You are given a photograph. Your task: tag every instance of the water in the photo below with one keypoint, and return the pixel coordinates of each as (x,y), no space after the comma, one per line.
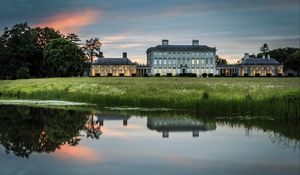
(56,141)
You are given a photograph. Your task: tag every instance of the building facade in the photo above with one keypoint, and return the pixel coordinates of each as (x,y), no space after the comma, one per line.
(113,67)
(181,59)
(265,66)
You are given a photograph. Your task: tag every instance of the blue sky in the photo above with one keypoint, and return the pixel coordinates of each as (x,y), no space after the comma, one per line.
(232,26)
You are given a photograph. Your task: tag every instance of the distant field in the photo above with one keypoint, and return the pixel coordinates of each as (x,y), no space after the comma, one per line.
(203,95)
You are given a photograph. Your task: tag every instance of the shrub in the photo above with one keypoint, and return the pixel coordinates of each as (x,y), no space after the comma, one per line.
(109,74)
(223,75)
(157,74)
(269,75)
(204,75)
(234,75)
(133,74)
(290,74)
(246,75)
(97,75)
(146,75)
(205,96)
(169,75)
(257,75)
(210,75)
(279,75)
(121,74)
(23,72)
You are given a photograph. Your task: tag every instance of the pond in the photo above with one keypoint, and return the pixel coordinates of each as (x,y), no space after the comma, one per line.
(40,140)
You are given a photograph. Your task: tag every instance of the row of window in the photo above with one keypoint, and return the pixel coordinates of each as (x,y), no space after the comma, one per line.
(193,61)
(178,71)
(187,53)
(114,68)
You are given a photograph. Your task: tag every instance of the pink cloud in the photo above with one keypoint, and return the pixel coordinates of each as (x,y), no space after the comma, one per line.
(68,22)
(77,153)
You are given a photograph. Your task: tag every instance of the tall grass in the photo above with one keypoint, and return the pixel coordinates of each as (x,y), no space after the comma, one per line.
(278,97)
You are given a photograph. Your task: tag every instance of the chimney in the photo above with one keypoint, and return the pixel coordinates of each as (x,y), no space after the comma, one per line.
(195,42)
(100,55)
(124,54)
(165,42)
(269,57)
(246,56)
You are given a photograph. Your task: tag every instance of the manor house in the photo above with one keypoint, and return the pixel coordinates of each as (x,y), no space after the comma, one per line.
(181,59)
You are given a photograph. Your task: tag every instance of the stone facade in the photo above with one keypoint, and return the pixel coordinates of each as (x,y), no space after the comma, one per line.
(113,67)
(181,59)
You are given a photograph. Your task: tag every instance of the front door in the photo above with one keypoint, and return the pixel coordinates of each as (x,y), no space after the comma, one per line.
(183,71)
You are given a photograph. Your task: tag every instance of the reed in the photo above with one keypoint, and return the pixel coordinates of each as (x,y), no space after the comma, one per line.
(278,97)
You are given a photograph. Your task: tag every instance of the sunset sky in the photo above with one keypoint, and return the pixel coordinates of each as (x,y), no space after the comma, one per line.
(232,26)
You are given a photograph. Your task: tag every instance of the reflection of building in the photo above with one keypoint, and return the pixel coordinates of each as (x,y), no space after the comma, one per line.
(265,66)
(101,117)
(177,124)
(113,67)
(173,60)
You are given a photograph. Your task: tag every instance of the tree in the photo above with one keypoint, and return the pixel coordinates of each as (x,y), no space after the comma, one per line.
(22,47)
(220,61)
(73,38)
(63,58)
(45,35)
(265,48)
(92,48)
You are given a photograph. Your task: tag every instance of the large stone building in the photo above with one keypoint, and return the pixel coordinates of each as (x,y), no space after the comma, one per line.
(265,66)
(113,67)
(181,59)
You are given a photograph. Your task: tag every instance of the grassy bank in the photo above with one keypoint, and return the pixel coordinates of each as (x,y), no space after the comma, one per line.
(212,96)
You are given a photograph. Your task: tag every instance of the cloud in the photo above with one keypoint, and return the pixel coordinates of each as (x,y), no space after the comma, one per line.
(114,38)
(77,153)
(70,22)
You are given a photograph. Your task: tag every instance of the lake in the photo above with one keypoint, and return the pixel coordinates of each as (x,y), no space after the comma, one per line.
(39,140)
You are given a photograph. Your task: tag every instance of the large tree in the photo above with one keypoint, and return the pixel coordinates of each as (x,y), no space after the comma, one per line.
(63,58)
(92,49)
(21,48)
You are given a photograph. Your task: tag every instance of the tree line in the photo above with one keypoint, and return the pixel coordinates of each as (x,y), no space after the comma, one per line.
(29,52)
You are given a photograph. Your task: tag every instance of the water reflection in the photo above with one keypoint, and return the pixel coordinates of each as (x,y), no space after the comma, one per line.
(165,125)
(27,130)
(24,130)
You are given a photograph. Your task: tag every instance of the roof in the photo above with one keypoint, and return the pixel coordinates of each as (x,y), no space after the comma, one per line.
(113,61)
(188,48)
(260,61)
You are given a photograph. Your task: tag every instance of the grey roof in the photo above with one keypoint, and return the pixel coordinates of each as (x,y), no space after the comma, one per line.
(113,61)
(260,61)
(187,48)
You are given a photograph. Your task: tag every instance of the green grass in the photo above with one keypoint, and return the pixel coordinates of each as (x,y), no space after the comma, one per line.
(206,96)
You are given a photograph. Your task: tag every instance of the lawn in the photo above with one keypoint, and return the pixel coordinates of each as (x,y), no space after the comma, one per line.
(240,96)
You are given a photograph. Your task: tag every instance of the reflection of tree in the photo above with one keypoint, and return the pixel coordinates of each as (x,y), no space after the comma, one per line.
(284,132)
(93,128)
(24,130)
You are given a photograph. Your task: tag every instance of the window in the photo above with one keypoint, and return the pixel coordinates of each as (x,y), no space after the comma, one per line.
(159,61)
(197,61)
(154,62)
(206,61)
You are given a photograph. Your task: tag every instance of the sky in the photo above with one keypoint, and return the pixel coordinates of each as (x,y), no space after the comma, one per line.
(234,27)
